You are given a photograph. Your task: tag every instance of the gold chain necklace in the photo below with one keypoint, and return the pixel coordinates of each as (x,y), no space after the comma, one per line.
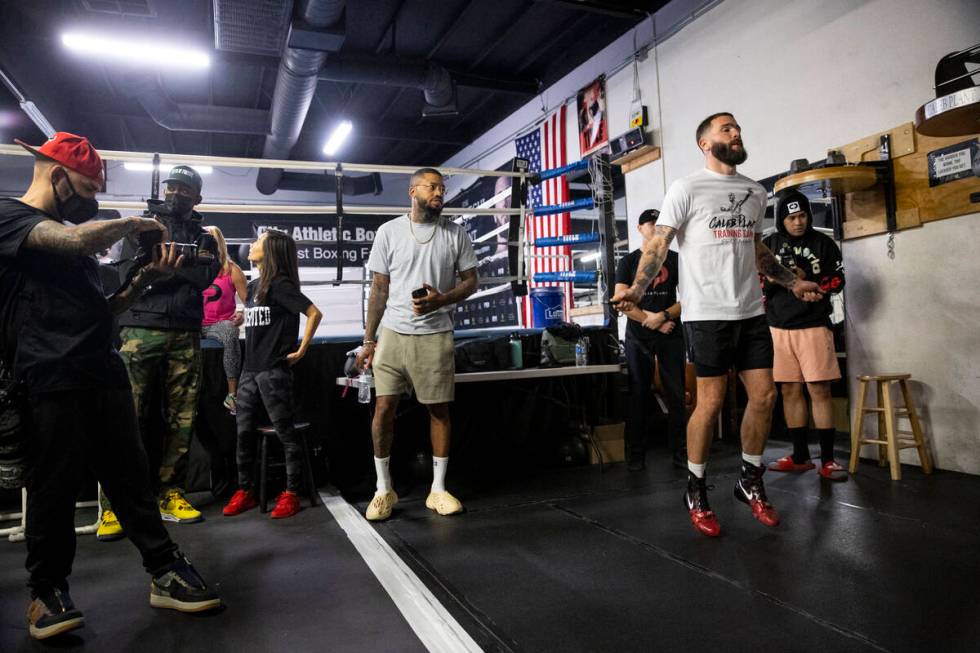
(411,228)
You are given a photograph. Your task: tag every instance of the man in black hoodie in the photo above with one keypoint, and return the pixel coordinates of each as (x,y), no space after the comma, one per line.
(802,341)
(162,331)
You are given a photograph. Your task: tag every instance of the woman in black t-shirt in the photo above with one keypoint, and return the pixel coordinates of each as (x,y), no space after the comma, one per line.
(272,309)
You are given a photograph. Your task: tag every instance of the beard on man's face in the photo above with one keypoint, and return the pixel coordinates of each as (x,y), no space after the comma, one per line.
(427,209)
(729,155)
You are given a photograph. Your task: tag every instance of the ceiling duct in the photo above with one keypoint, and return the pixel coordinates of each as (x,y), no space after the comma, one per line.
(251,26)
(295,86)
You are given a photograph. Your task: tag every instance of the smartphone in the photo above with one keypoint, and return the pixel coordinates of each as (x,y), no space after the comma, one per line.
(419,293)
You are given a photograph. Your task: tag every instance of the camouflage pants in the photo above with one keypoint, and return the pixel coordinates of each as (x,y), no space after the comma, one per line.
(274,389)
(171,362)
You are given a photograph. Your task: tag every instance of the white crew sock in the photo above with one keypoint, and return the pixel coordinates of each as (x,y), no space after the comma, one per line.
(696,468)
(439,466)
(384,474)
(752,459)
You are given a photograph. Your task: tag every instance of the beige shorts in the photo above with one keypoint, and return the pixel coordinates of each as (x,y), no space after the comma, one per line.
(423,362)
(804,355)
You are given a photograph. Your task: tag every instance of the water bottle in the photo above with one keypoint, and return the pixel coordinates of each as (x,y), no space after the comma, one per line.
(516,352)
(582,352)
(364,382)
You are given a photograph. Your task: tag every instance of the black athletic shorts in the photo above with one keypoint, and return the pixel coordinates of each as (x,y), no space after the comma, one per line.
(714,346)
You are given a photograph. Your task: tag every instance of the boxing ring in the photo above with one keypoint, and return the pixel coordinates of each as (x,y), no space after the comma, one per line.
(525,255)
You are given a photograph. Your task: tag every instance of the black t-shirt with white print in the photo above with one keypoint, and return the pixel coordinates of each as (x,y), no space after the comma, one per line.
(272,327)
(660,295)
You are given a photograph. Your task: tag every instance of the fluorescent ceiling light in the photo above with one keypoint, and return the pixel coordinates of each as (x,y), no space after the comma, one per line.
(338,137)
(135,52)
(590,258)
(137,166)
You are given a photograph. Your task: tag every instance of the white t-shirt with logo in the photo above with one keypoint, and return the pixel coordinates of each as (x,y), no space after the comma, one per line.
(412,261)
(717,218)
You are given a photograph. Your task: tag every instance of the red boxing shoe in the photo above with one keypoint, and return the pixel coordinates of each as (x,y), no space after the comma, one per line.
(750,490)
(696,500)
(241,501)
(287,505)
(832,471)
(786,464)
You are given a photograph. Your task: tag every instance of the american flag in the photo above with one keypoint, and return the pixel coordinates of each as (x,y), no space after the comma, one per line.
(544,148)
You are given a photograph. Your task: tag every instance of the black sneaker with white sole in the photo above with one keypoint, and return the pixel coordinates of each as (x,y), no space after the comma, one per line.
(182,588)
(53,613)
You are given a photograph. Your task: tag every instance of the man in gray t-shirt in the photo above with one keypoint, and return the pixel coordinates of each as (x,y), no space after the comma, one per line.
(415,261)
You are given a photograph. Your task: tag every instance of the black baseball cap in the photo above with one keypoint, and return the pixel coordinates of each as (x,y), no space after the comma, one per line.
(185,175)
(650,215)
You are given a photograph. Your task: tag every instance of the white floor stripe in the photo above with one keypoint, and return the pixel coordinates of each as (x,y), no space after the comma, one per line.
(438,630)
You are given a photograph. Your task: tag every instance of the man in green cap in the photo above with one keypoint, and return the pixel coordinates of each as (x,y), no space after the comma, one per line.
(161,347)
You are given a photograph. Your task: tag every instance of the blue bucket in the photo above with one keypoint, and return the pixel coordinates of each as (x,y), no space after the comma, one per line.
(549,306)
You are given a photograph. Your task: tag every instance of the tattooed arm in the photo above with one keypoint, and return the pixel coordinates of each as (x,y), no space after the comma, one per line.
(85,239)
(769,266)
(377,302)
(654,255)
(435,300)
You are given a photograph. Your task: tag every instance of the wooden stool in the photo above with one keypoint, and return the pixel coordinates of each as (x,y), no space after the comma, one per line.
(888,441)
(266,432)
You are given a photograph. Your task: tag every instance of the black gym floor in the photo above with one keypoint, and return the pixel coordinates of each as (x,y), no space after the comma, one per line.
(571,559)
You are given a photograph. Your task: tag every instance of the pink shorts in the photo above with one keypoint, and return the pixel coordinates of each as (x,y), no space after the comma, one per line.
(804,355)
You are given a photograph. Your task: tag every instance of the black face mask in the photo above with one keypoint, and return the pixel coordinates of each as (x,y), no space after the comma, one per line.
(180,205)
(76,209)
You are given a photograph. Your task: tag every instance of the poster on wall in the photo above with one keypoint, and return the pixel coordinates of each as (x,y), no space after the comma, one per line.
(593,125)
(493,305)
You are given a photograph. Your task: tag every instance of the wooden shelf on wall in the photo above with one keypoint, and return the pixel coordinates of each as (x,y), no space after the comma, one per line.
(638,158)
(916,202)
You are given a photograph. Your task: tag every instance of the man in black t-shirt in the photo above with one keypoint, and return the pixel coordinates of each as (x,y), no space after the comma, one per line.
(56,329)
(652,332)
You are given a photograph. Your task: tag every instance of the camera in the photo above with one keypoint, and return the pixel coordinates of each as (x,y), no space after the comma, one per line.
(202,252)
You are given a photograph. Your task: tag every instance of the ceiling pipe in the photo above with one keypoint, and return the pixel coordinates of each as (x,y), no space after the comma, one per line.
(295,86)
(435,82)
(177,116)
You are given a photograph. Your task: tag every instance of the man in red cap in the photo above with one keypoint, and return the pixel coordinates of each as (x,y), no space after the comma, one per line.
(56,329)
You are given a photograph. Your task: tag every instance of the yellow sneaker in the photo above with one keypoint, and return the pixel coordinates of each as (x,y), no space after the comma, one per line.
(109,528)
(443,503)
(174,507)
(381,505)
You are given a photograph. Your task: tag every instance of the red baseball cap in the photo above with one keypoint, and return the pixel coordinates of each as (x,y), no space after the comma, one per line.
(73,152)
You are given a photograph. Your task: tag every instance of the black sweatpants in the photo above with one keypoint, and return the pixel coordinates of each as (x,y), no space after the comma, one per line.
(669,350)
(72,430)
(274,388)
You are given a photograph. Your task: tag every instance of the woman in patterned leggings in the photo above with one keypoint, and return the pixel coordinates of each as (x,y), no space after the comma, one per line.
(221,320)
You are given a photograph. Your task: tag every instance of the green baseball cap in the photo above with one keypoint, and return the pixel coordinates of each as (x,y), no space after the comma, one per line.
(186,175)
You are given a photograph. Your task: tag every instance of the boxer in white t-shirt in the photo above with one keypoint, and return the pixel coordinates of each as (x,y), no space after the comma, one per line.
(716,215)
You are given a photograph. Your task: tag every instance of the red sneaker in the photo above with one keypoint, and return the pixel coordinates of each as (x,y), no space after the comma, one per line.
(287,505)
(241,501)
(696,500)
(833,472)
(749,489)
(786,464)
